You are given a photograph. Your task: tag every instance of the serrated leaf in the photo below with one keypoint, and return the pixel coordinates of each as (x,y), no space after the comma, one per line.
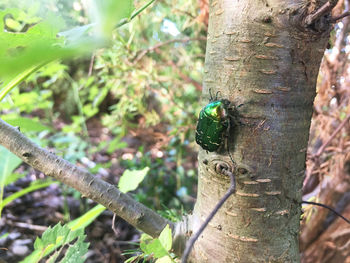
(131,179)
(38,244)
(56,237)
(76,252)
(165,238)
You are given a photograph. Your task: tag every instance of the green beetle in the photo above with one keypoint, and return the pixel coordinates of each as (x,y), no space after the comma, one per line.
(212,125)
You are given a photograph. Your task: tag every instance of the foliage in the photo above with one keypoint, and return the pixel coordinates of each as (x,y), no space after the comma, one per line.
(59,236)
(130,180)
(128,87)
(33,187)
(157,248)
(8,163)
(87,218)
(56,239)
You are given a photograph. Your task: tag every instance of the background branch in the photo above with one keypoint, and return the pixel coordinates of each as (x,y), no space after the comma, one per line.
(322,11)
(90,186)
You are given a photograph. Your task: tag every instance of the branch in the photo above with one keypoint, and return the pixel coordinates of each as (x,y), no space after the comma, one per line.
(160,44)
(335,19)
(90,186)
(230,191)
(322,11)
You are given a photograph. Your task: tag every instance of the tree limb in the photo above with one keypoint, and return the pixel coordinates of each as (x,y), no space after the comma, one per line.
(90,186)
(322,11)
(336,18)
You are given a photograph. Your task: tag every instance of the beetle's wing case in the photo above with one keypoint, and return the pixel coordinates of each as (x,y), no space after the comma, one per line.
(211,126)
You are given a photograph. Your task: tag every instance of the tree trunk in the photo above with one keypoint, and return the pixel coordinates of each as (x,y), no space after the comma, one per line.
(262,55)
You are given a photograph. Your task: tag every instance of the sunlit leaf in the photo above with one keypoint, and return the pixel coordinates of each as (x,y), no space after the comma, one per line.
(56,237)
(165,238)
(25,124)
(131,179)
(87,218)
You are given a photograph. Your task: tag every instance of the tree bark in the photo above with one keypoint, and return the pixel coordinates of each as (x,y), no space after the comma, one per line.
(260,54)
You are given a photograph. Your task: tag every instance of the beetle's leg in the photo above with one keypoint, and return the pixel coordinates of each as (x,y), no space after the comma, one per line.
(211,96)
(234,115)
(216,95)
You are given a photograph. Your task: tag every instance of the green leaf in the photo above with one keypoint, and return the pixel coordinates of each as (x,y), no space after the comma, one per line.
(116,144)
(156,248)
(25,124)
(108,13)
(56,237)
(8,163)
(13,178)
(86,219)
(152,246)
(25,191)
(165,238)
(130,180)
(76,253)
(144,240)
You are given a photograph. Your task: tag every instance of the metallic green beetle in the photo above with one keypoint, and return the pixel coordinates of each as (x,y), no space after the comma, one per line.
(212,125)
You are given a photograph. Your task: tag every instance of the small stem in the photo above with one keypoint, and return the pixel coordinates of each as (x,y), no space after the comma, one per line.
(137,12)
(160,44)
(193,239)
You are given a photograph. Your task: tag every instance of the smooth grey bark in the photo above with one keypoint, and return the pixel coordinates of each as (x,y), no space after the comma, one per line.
(261,54)
(90,186)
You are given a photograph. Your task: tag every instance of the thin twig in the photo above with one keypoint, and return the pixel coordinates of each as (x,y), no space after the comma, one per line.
(182,40)
(185,77)
(91,66)
(230,191)
(136,13)
(326,206)
(28,226)
(113,227)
